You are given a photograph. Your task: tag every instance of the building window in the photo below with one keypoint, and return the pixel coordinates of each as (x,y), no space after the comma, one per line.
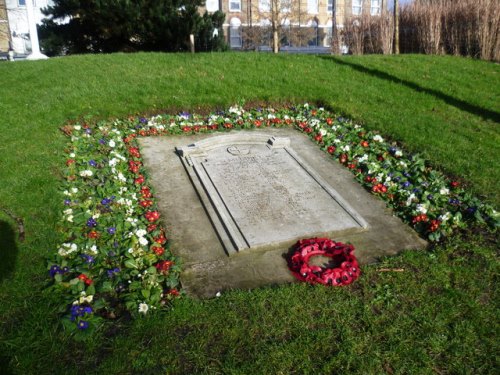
(375,8)
(235,5)
(22,3)
(312,6)
(265,6)
(329,6)
(212,5)
(235,33)
(357,7)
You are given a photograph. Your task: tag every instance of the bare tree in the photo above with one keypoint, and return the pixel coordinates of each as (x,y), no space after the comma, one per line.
(396,27)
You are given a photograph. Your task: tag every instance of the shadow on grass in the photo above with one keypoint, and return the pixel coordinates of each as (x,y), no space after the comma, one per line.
(8,250)
(486,114)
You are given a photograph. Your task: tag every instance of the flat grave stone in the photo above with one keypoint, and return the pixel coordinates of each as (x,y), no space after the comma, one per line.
(234,203)
(258,192)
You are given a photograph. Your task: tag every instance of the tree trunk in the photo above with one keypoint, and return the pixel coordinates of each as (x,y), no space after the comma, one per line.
(275,41)
(396,27)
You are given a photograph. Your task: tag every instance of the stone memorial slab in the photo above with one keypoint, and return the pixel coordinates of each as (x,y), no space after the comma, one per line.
(233,204)
(259,192)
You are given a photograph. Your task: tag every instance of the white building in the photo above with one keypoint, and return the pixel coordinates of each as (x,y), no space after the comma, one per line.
(18,22)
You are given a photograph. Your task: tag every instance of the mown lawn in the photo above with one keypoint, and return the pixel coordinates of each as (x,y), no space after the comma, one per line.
(438,316)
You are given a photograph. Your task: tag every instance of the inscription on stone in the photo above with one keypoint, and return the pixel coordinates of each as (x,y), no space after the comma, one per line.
(258,194)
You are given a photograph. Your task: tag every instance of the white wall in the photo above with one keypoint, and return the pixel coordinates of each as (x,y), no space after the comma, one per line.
(18,21)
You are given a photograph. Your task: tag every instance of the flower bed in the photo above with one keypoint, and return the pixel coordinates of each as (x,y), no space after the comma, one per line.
(115,256)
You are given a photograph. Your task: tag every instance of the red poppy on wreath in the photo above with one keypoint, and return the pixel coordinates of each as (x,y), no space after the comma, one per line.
(344,270)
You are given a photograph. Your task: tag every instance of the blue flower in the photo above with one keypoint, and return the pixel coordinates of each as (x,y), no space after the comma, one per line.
(82,324)
(92,163)
(54,270)
(416,190)
(471,210)
(430,197)
(88,258)
(143,120)
(88,131)
(102,141)
(406,174)
(67,202)
(91,222)
(406,184)
(111,230)
(454,201)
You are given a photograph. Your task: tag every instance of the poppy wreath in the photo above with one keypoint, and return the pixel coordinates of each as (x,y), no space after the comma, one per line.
(344,271)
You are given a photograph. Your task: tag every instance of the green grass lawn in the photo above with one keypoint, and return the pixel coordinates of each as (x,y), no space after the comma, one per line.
(438,316)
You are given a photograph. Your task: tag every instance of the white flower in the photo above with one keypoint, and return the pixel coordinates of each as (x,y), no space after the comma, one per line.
(121,177)
(363,158)
(410,199)
(67,248)
(140,232)
(74,190)
(77,127)
(87,299)
(86,173)
(111,143)
(113,162)
(65,192)
(378,138)
(444,191)
(322,132)
(345,148)
(218,294)
(398,153)
(143,308)
(143,241)
(93,249)
(70,218)
(68,211)
(314,123)
(421,208)
(72,155)
(444,217)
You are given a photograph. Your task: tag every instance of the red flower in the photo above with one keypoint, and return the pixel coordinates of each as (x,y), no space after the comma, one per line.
(134,151)
(331,149)
(139,180)
(318,138)
(158,250)
(302,125)
(343,158)
(186,129)
(329,121)
(420,218)
(163,266)
(93,234)
(152,227)
(133,166)
(152,216)
(173,292)
(455,184)
(308,130)
(434,225)
(257,123)
(69,162)
(146,203)
(161,239)
(365,144)
(228,125)
(145,192)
